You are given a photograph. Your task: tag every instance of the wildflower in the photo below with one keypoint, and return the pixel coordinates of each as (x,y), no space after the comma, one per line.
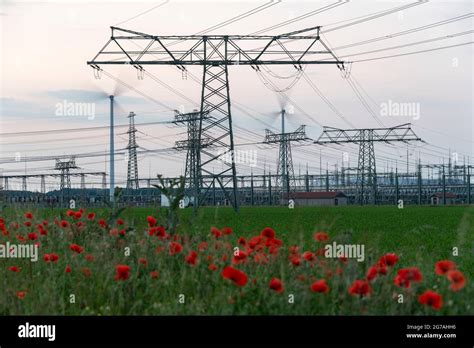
(151,221)
(238,277)
(389,259)
(76,248)
(457,280)
(320,286)
(276,285)
(321,236)
(444,266)
(360,287)
(21,294)
(175,248)
(431,298)
(191,258)
(407,275)
(122,272)
(268,232)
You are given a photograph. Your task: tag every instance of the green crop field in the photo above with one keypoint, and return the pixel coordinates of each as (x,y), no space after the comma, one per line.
(123,267)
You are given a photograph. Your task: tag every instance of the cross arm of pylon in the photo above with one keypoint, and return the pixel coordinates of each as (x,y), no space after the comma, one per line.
(401,132)
(296,48)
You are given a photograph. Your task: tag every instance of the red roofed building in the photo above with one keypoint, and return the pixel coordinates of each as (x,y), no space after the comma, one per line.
(318,198)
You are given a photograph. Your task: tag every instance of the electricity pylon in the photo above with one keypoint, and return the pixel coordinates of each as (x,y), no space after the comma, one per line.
(215,53)
(64,167)
(366,182)
(285,170)
(191,119)
(132,168)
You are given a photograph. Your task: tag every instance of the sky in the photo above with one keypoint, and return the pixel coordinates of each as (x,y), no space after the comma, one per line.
(45,46)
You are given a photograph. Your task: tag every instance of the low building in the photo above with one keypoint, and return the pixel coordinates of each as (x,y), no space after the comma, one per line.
(319,198)
(437,198)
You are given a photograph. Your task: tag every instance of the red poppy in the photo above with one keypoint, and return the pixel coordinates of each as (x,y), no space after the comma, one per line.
(70,213)
(320,286)
(143,261)
(260,258)
(276,285)
(431,298)
(151,221)
(216,232)
(389,259)
(360,287)
(444,266)
(29,215)
(268,232)
(238,277)
(158,231)
(372,273)
(76,248)
(77,215)
(122,272)
(64,223)
(202,246)
(321,236)
(294,249)
(21,294)
(102,223)
(90,257)
(191,258)
(32,236)
(242,241)
(406,275)
(175,248)
(227,230)
(86,271)
(91,216)
(27,223)
(154,274)
(457,280)
(309,256)
(212,267)
(120,222)
(295,260)
(51,257)
(42,231)
(68,269)
(14,269)
(239,257)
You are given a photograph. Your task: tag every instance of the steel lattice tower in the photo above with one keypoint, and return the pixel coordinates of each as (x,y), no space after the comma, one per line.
(366,170)
(366,181)
(285,171)
(65,167)
(192,172)
(132,169)
(215,53)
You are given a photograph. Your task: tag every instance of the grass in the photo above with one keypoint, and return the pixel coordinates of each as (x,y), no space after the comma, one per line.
(420,236)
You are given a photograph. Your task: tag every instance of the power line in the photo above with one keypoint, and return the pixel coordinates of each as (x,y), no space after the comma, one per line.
(143,13)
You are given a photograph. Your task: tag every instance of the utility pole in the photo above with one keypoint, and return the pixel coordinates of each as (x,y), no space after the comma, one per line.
(215,53)
(112,150)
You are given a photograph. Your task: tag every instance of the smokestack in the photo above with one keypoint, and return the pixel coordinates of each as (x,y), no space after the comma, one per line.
(112,150)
